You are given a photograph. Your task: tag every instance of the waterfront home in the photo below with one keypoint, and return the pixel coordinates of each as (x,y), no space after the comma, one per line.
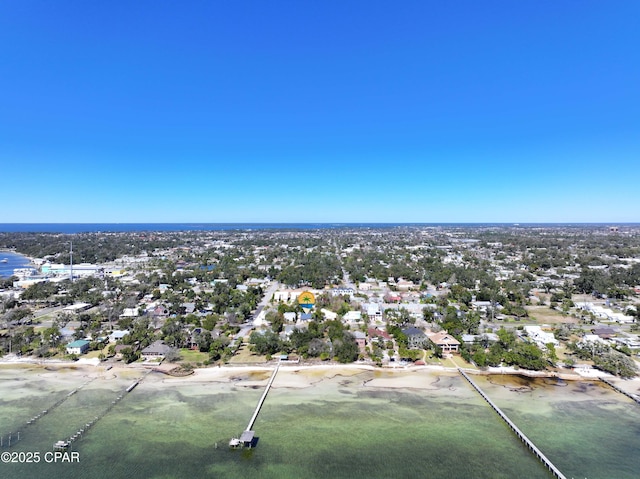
(540,337)
(78,347)
(378,335)
(361,339)
(416,338)
(443,340)
(120,347)
(155,350)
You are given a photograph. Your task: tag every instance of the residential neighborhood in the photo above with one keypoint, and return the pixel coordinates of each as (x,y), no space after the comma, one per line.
(543,298)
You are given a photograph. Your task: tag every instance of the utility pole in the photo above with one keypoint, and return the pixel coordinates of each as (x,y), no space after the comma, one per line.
(71,261)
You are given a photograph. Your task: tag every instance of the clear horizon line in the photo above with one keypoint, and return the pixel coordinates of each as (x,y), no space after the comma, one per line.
(310,222)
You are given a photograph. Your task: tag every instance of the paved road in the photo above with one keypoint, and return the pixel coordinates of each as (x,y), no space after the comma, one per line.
(246,328)
(266,298)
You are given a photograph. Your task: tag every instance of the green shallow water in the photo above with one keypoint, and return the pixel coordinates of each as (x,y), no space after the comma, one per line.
(585,428)
(342,426)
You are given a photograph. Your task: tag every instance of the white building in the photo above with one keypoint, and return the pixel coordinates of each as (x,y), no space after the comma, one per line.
(342,291)
(78,347)
(328,314)
(540,337)
(129,313)
(352,316)
(373,311)
(79,270)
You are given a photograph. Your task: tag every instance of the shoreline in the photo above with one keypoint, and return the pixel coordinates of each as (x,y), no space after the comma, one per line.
(298,377)
(227,368)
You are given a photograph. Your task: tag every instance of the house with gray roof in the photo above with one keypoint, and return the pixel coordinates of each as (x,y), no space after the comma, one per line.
(416,338)
(155,350)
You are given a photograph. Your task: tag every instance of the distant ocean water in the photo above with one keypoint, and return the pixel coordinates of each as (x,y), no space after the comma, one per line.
(72,228)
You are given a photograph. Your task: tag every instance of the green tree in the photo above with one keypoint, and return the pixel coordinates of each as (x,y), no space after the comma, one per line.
(345,349)
(265,343)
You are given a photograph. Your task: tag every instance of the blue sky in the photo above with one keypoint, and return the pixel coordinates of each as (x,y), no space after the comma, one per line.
(336,111)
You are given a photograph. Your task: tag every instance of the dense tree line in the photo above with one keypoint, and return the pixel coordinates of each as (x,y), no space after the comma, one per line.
(87,247)
(508,351)
(322,340)
(314,269)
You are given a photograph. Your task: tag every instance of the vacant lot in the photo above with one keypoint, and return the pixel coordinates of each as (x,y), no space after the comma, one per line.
(244,355)
(544,314)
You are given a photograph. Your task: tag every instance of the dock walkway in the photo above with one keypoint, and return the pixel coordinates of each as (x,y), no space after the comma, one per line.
(84,429)
(262,399)
(12,438)
(635,397)
(247,436)
(532,447)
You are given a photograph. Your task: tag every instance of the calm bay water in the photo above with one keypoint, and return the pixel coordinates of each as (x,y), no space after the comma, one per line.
(13,261)
(353,424)
(585,428)
(340,426)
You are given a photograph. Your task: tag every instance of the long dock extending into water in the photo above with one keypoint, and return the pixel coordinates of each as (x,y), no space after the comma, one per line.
(532,447)
(66,443)
(12,438)
(246,438)
(635,397)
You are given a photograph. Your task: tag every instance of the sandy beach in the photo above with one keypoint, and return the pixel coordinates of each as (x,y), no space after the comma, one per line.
(290,376)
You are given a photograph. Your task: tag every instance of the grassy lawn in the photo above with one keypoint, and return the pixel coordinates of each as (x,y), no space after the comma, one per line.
(429,357)
(244,355)
(459,362)
(544,314)
(191,356)
(448,363)
(92,354)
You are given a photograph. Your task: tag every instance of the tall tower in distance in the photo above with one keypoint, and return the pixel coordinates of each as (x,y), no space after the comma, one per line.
(71,261)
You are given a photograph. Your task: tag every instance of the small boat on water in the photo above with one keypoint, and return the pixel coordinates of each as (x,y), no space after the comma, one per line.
(4,260)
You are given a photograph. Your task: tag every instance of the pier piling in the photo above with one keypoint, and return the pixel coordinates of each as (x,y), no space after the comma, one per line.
(532,447)
(634,397)
(247,435)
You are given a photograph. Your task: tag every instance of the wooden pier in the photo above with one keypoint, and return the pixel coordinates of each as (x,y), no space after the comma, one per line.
(84,429)
(632,396)
(247,436)
(12,438)
(532,447)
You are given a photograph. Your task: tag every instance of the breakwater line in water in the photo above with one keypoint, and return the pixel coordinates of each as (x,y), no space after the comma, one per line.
(532,447)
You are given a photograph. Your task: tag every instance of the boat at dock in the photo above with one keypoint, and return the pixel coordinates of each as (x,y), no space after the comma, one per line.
(61,446)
